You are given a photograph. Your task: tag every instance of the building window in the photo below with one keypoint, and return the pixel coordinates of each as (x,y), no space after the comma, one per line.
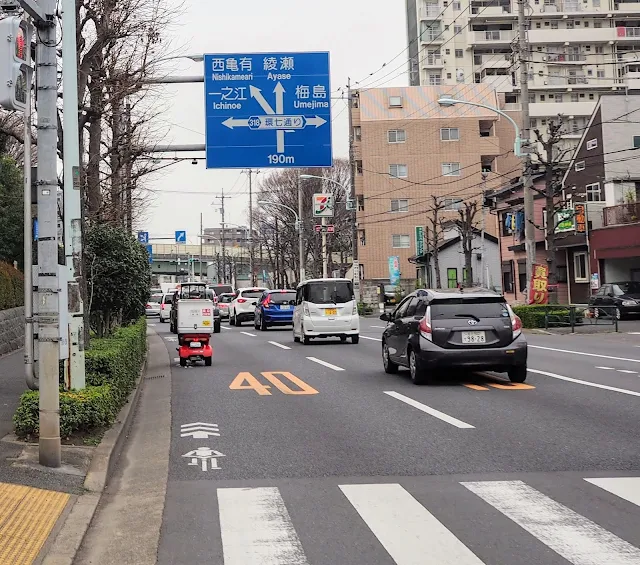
(600,74)
(452,277)
(533,123)
(435,79)
(449,134)
(398,171)
(522,276)
(507,276)
(399,241)
(401,205)
(575,97)
(397,136)
(580,166)
(457,29)
(580,267)
(599,50)
(395,101)
(451,169)
(594,192)
(554,24)
(636,141)
(359,166)
(596,3)
(357,133)
(452,204)
(459,53)
(558,98)
(592,144)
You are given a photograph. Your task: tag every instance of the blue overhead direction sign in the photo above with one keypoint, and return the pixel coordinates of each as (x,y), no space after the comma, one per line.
(267,110)
(143,236)
(181,236)
(150,252)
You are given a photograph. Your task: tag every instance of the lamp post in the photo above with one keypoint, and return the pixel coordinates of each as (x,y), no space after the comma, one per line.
(529,233)
(325,268)
(298,227)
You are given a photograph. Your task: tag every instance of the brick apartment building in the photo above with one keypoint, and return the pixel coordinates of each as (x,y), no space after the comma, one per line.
(408,148)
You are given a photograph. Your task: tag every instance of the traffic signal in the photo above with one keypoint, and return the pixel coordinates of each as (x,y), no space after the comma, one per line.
(15,51)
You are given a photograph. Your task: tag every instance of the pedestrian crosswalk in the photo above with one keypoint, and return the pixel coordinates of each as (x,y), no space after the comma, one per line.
(259,525)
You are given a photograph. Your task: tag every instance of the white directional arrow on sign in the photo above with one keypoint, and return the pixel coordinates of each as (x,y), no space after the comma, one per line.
(235,122)
(257,94)
(199,430)
(317,121)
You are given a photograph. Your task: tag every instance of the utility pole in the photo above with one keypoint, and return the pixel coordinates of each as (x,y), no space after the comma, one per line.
(352,181)
(523,57)
(482,233)
(301,257)
(252,275)
(224,267)
(324,240)
(48,280)
(201,233)
(75,378)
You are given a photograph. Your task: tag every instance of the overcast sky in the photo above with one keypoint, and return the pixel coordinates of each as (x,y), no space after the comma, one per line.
(360,36)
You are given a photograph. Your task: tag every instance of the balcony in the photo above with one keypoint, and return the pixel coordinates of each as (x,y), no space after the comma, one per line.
(587,36)
(560,6)
(628,7)
(492,36)
(490,10)
(430,12)
(632,33)
(621,214)
(432,36)
(432,61)
(566,57)
(493,61)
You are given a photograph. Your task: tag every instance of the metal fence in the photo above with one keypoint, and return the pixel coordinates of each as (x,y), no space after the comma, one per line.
(581,316)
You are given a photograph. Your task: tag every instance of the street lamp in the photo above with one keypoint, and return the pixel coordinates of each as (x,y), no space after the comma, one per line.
(529,234)
(298,227)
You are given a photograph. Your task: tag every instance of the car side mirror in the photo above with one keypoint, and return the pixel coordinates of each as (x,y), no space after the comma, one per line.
(610,294)
(254,303)
(384,317)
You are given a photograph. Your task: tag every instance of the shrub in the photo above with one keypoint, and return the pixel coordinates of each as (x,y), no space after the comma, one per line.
(112,366)
(11,287)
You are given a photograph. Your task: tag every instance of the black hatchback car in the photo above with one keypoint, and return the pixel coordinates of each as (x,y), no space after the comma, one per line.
(471,329)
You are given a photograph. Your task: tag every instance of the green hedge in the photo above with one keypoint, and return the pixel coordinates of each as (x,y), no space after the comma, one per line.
(533,316)
(112,365)
(11,287)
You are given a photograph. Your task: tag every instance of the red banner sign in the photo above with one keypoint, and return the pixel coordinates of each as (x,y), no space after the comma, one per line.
(538,288)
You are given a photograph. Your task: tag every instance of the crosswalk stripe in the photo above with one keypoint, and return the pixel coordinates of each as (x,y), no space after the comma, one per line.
(406,529)
(576,538)
(256,528)
(624,487)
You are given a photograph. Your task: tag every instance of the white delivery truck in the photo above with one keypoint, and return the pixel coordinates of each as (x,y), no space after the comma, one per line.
(194,324)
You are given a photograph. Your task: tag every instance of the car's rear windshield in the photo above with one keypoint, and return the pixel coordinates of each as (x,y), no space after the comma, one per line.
(168,298)
(156,298)
(252,294)
(227,298)
(222,289)
(631,287)
(327,292)
(282,297)
(469,307)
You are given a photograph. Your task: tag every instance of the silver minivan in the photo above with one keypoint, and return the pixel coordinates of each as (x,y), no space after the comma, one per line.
(325,308)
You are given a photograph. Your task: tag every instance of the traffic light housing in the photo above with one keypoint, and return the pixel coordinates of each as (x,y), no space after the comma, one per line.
(15,62)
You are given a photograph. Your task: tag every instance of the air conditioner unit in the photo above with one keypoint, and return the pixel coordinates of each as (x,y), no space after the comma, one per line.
(544,58)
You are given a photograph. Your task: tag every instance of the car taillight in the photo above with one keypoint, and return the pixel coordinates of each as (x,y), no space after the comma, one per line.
(425,326)
(162,307)
(266,301)
(148,305)
(355,309)
(516,325)
(242,300)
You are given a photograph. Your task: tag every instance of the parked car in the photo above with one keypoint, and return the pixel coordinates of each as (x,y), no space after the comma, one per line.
(165,307)
(471,329)
(619,299)
(152,307)
(242,307)
(224,300)
(391,294)
(274,309)
(326,308)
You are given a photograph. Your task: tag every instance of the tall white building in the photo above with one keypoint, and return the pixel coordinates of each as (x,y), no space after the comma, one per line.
(580,49)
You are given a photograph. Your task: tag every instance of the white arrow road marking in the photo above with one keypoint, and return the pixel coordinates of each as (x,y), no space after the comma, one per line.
(317,121)
(199,430)
(431,411)
(257,94)
(278,345)
(235,122)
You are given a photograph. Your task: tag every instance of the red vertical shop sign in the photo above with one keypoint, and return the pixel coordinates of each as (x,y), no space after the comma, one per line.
(538,289)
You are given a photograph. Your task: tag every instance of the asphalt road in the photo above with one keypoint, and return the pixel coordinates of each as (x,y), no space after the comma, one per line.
(321,458)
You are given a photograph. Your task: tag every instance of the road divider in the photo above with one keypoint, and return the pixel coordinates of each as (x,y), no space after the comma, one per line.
(246,381)
(428,410)
(321,362)
(585,383)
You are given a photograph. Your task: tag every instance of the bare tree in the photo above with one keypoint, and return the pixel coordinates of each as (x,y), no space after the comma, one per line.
(435,235)
(467,226)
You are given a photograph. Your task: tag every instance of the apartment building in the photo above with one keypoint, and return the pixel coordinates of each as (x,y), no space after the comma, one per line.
(409,149)
(579,50)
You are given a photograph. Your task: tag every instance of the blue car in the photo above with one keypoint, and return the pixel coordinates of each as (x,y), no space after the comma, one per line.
(275,308)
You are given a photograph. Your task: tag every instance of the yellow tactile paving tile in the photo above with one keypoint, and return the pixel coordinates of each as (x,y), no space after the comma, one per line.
(27,516)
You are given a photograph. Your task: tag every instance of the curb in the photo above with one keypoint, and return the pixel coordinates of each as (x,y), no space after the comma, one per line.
(69,538)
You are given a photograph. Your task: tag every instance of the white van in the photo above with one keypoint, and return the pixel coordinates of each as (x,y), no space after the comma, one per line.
(326,308)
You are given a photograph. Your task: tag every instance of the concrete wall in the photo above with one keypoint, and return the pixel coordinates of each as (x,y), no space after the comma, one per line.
(11,329)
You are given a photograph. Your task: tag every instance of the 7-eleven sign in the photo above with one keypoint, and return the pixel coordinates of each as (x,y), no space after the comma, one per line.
(323,205)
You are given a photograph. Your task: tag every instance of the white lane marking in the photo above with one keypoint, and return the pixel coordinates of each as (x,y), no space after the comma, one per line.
(278,345)
(406,529)
(633,333)
(576,538)
(585,383)
(624,487)
(176,359)
(171,338)
(256,528)
(371,338)
(606,368)
(249,334)
(587,354)
(225,327)
(321,362)
(627,371)
(431,411)
(381,327)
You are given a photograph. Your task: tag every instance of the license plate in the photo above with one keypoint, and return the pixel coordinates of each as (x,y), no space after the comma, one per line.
(285,307)
(474,337)
(195,344)
(206,322)
(330,312)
